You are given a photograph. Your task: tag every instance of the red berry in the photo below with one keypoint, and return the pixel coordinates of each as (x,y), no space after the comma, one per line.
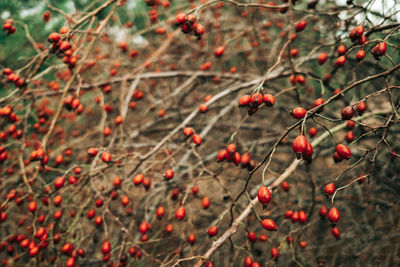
(248,261)
(70,262)
(288,214)
(256,99)
(341,50)
(169,174)
(144,227)
(323,211)
(333,215)
(64,46)
(222,155)
(347,113)
(54,37)
(303,244)
(196,139)
(219,51)
(274,253)
(180,18)
(361,107)
(125,200)
(285,186)
(138,179)
(308,153)
(312,132)
(300,79)
(360,55)
(118,120)
(362,40)
(269,100)
(301,25)
(59,182)
(199,29)
(299,113)
(169,228)
(160,212)
(302,217)
(269,224)
(188,131)
(203,108)
(263,238)
(318,102)
(244,100)
(32,206)
(322,58)
(343,151)
(212,231)
(237,158)
(349,136)
(379,49)
(337,91)
(192,238)
(195,190)
(335,232)
(231,149)
(180,213)
(205,202)
(340,61)
(264,195)
(245,159)
(300,145)
(359,30)
(106,157)
(251,236)
(106,247)
(33,251)
(330,189)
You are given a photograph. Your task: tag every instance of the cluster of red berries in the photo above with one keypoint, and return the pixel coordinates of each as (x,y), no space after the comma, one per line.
(189,132)
(72,103)
(3,154)
(138,180)
(188,24)
(303,148)
(39,155)
(7,113)
(295,216)
(252,237)
(144,227)
(252,102)
(230,154)
(342,152)
(357,34)
(333,216)
(379,50)
(62,47)
(8,26)
(14,78)
(297,79)
(153,15)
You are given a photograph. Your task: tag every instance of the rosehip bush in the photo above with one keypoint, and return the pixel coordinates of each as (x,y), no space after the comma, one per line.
(214,133)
